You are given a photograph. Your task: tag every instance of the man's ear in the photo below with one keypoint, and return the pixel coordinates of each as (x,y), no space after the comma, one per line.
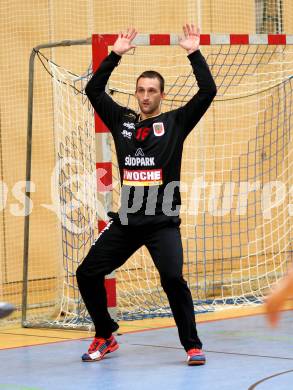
(163,95)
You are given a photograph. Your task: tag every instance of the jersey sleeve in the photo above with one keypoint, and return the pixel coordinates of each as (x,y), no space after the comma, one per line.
(109,111)
(190,114)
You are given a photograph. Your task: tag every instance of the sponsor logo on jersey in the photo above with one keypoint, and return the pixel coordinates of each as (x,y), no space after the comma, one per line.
(129,125)
(139,153)
(139,161)
(159,129)
(146,177)
(142,133)
(126,134)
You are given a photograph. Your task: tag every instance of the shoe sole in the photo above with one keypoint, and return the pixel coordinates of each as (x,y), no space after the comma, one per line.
(113,349)
(196,363)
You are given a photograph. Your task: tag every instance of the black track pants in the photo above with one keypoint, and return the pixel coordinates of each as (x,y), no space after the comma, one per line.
(113,247)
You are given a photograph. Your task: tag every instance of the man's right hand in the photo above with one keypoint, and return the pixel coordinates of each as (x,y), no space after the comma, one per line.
(123,42)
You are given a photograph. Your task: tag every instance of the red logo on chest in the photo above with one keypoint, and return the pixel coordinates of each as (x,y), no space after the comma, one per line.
(142,133)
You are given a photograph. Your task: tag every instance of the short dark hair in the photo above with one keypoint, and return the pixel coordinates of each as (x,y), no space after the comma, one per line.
(152,74)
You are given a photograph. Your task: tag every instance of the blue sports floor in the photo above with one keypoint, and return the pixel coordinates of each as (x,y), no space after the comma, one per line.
(242,354)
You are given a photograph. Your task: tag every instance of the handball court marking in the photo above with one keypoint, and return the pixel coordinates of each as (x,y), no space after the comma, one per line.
(242,353)
(21,337)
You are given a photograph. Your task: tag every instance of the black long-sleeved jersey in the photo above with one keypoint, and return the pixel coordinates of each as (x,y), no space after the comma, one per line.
(149,152)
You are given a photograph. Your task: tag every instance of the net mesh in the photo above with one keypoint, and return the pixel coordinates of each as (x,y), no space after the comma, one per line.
(236,178)
(27,24)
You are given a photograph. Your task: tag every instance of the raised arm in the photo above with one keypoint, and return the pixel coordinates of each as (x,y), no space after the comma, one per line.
(191,113)
(109,111)
(124,41)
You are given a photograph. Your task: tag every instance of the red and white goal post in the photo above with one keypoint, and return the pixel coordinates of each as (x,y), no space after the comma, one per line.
(237,172)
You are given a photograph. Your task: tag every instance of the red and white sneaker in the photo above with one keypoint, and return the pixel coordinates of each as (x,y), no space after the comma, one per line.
(196,357)
(98,349)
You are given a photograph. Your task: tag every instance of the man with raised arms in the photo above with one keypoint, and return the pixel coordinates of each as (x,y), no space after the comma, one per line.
(149,147)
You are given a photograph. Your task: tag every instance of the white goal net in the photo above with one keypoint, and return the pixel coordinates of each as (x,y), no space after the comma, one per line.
(237,180)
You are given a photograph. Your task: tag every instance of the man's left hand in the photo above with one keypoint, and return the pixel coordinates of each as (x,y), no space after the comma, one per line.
(190,40)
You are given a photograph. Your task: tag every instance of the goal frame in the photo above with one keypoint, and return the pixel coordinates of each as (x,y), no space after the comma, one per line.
(100,49)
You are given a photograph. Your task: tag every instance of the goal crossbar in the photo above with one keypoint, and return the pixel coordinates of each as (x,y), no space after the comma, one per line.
(100,46)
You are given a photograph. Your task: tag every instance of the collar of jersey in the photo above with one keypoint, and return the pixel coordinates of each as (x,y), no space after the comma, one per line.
(151,118)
